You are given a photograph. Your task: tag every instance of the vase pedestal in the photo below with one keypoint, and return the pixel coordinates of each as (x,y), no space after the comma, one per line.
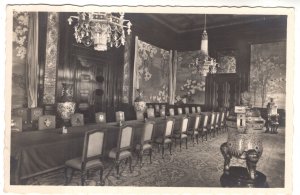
(239,177)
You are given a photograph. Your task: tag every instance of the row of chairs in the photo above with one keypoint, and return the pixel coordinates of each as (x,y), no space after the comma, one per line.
(93,148)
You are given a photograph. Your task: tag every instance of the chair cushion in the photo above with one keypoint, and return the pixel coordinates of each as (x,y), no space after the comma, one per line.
(180,135)
(160,140)
(145,146)
(76,163)
(191,132)
(123,154)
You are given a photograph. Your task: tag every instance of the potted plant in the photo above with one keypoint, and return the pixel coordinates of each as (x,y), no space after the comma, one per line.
(139,104)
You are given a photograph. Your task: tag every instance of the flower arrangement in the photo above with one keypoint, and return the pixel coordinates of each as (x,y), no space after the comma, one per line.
(190,87)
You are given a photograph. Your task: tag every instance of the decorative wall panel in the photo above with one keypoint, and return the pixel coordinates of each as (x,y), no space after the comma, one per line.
(190,83)
(126,70)
(19,51)
(51,58)
(152,71)
(268,73)
(227,62)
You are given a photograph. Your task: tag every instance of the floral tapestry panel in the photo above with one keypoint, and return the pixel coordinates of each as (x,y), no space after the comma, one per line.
(51,58)
(126,71)
(226,62)
(268,74)
(152,65)
(19,51)
(190,83)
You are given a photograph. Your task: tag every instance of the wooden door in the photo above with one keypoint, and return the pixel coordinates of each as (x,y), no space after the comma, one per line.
(90,84)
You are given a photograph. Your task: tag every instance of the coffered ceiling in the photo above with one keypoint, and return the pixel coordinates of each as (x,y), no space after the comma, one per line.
(182,23)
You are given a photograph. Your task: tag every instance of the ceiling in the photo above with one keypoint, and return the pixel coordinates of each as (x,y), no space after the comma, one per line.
(182,23)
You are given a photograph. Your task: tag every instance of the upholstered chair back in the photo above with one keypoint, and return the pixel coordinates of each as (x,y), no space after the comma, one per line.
(198,109)
(148,131)
(197,122)
(16,124)
(171,111)
(179,110)
(184,124)
(212,119)
(46,122)
(93,144)
(162,112)
(100,117)
(187,110)
(169,128)
(205,120)
(222,118)
(193,110)
(77,119)
(126,136)
(150,113)
(217,119)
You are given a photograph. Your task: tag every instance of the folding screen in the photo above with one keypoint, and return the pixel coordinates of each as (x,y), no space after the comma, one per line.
(268,73)
(152,69)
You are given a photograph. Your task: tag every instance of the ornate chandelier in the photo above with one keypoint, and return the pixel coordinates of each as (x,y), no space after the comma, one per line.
(101,29)
(204,63)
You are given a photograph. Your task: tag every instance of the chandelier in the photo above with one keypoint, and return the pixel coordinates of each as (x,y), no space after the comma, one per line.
(204,63)
(101,29)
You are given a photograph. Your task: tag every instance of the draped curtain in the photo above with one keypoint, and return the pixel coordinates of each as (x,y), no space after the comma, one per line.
(32,66)
(173,70)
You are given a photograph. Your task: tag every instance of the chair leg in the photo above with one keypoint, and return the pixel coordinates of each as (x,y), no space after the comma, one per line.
(117,165)
(180,143)
(130,163)
(193,139)
(83,178)
(197,138)
(150,155)
(68,175)
(141,158)
(163,150)
(186,145)
(170,147)
(101,177)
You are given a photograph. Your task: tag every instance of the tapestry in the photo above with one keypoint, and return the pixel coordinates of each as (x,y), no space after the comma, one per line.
(51,59)
(19,51)
(190,83)
(152,72)
(126,70)
(226,62)
(268,74)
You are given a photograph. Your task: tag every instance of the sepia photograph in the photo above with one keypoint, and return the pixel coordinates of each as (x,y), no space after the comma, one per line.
(182,97)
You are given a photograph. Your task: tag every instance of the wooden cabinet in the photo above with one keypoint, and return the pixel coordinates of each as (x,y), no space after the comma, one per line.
(222,90)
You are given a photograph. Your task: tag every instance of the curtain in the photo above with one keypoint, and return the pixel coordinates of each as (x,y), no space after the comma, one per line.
(135,82)
(173,70)
(32,66)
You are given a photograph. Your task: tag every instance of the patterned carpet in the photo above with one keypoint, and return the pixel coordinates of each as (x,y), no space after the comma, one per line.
(199,166)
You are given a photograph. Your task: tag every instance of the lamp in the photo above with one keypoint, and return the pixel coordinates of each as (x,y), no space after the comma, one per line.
(204,63)
(101,29)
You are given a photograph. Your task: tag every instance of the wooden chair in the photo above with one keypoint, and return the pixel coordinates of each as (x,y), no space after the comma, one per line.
(120,116)
(194,131)
(182,132)
(162,112)
(150,113)
(77,119)
(166,138)
(193,110)
(187,110)
(171,112)
(203,130)
(222,121)
(216,123)
(46,122)
(179,111)
(93,147)
(100,117)
(198,109)
(123,149)
(146,141)
(211,125)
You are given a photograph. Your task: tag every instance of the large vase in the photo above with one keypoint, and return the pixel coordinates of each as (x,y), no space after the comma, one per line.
(65,110)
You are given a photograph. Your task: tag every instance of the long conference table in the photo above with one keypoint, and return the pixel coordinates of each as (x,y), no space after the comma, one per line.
(37,152)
